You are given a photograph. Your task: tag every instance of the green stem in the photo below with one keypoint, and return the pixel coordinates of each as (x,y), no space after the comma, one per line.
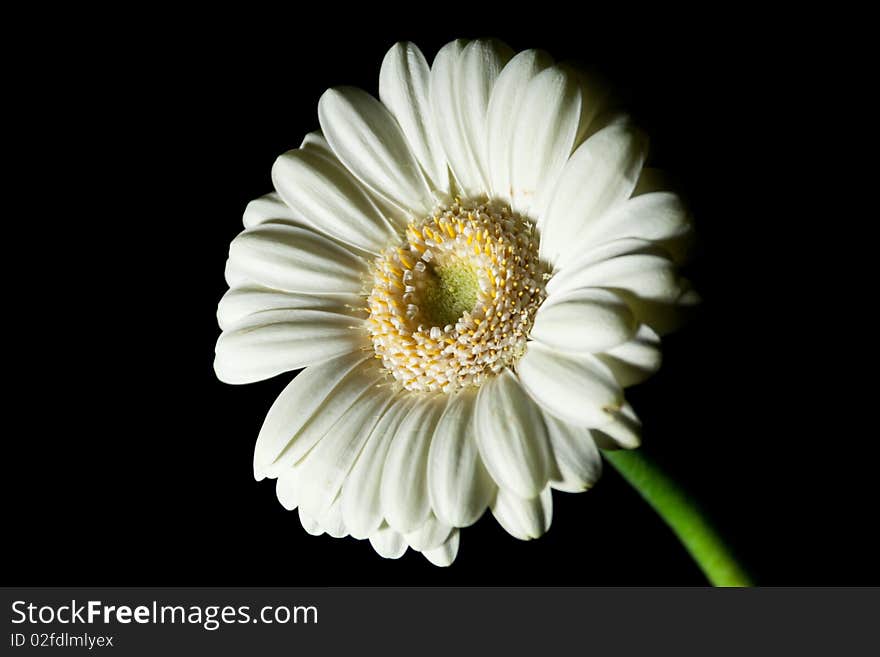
(682,514)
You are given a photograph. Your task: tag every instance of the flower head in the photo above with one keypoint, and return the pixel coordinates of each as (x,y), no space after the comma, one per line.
(471,269)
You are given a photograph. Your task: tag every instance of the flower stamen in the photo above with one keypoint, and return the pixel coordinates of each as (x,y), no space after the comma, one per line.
(455,303)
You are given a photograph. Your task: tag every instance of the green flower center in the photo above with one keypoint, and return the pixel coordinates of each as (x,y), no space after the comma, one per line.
(449,293)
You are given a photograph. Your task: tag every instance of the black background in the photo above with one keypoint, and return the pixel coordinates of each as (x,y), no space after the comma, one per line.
(146,139)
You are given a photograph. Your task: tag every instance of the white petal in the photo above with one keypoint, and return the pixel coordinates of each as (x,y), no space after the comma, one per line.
(310,524)
(361,499)
(265,344)
(459,485)
(577,458)
(369,142)
(638,271)
(511,436)
(623,431)
(443,96)
(586,320)
(524,519)
(431,534)
(577,388)
(307,408)
(268,208)
(658,216)
(545,134)
(235,278)
(601,173)
(604,251)
(388,543)
(643,275)
(404,490)
(404,84)
(322,194)
(239,302)
(315,142)
(327,465)
(504,103)
(635,360)
(296,259)
(445,554)
(287,488)
(479,65)
(331,521)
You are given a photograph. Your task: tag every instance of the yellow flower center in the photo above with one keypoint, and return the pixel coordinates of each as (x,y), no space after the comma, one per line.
(455,302)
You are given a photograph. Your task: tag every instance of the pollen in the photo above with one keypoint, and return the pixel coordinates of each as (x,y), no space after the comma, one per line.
(455,302)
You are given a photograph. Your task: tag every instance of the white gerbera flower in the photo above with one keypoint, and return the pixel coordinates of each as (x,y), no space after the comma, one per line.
(471,270)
